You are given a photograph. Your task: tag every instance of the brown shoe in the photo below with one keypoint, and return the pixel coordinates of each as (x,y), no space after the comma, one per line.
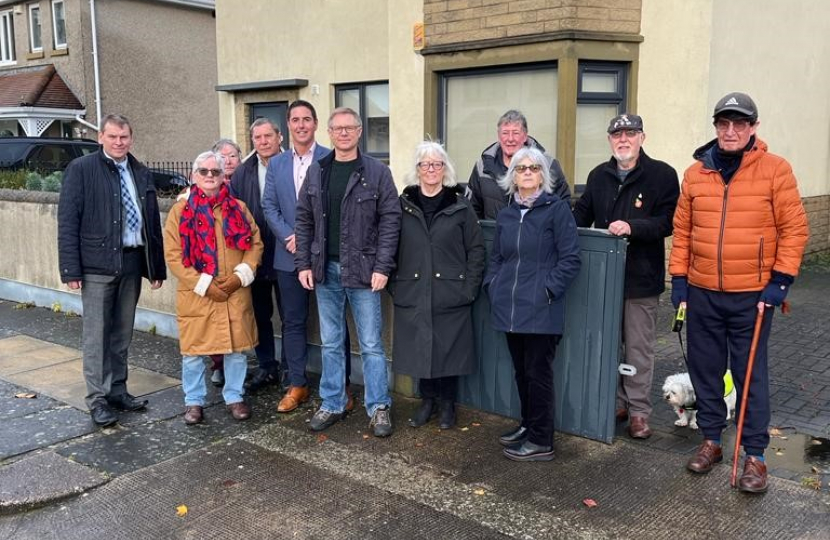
(754,478)
(622,414)
(239,410)
(638,427)
(193,415)
(292,399)
(349,400)
(705,458)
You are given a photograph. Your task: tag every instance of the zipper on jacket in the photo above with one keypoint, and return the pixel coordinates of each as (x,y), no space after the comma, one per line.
(518,263)
(720,236)
(760,259)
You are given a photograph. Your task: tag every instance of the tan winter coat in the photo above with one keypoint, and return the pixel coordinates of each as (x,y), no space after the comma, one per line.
(205,326)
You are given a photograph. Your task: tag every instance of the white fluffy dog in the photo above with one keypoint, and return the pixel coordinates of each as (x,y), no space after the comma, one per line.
(679,393)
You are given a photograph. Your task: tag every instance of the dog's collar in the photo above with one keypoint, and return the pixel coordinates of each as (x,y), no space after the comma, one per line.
(692,407)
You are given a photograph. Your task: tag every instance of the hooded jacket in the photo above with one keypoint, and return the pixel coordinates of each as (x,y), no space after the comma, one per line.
(730,237)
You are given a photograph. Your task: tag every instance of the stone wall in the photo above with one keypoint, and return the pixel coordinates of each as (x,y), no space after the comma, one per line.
(818,213)
(468,21)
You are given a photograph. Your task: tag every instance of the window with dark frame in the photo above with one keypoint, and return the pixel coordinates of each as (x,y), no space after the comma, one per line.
(371,102)
(601,95)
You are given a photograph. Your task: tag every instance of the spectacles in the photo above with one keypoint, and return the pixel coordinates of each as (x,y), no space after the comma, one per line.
(629,133)
(436,165)
(522,168)
(210,172)
(739,126)
(343,129)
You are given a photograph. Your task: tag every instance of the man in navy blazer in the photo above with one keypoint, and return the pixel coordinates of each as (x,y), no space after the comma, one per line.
(285,175)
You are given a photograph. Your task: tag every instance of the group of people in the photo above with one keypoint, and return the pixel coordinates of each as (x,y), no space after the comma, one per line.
(280,226)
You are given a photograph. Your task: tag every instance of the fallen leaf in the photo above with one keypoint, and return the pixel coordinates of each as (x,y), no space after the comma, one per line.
(26,395)
(476,424)
(779,453)
(465,428)
(365,436)
(181,510)
(229,483)
(322,437)
(590,503)
(418,445)
(774,432)
(479,492)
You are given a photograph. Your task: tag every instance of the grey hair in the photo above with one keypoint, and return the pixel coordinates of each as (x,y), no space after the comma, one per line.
(117,120)
(513,117)
(204,156)
(345,110)
(427,149)
(536,157)
(262,121)
(222,143)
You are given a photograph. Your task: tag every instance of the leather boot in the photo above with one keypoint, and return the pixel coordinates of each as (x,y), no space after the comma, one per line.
(446,414)
(424,413)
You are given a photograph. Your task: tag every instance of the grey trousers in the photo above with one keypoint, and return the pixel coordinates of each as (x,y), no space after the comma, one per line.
(109,314)
(639,333)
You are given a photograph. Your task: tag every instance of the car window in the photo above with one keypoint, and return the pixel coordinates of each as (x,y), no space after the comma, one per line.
(85,149)
(50,157)
(11,152)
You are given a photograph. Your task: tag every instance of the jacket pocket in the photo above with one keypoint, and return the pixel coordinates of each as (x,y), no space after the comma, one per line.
(367,264)
(760,259)
(450,289)
(405,289)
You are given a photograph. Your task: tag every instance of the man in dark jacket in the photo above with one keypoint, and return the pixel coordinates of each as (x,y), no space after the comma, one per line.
(248,184)
(346,227)
(485,194)
(109,236)
(634,196)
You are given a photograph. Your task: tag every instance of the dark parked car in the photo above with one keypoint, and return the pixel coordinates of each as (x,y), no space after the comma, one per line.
(47,154)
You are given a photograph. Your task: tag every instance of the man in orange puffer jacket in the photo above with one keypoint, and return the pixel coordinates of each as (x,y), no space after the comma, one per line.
(739,235)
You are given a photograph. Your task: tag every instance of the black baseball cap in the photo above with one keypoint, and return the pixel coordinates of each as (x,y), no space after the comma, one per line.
(625,121)
(736,102)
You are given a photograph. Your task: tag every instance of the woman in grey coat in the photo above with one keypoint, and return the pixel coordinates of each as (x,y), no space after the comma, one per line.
(440,263)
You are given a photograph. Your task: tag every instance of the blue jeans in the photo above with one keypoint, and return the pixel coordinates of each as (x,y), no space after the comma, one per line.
(331,306)
(193,379)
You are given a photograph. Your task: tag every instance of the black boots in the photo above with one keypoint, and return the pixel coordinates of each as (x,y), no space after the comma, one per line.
(446,414)
(424,413)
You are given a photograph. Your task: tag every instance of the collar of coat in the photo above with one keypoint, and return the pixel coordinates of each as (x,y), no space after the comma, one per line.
(449,196)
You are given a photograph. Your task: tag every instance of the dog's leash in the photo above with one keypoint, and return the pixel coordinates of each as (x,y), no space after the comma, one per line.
(677,326)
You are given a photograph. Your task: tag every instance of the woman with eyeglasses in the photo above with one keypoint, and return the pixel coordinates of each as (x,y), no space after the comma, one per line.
(440,264)
(534,259)
(213,247)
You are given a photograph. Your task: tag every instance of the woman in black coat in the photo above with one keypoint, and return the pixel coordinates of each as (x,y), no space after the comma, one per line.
(440,263)
(534,259)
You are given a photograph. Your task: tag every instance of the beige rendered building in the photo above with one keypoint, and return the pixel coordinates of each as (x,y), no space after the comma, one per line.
(447,69)
(65,62)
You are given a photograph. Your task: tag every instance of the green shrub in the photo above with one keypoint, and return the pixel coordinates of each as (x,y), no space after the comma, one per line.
(13,179)
(53,182)
(34,182)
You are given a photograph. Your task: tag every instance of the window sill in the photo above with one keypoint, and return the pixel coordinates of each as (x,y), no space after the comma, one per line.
(59,52)
(7,64)
(36,55)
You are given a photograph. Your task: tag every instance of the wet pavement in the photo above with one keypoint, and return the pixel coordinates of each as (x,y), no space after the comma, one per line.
(271,478)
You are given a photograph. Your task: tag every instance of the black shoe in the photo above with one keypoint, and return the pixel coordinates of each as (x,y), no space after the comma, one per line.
(515,436)
(529,452)
(261,379)
(324,420)
(424,413)
(446,414)
(102,415)
(126,402)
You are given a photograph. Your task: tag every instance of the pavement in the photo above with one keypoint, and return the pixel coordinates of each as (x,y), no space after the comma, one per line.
(153,477)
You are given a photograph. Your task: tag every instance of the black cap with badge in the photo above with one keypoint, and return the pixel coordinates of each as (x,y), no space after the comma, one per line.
(625,122)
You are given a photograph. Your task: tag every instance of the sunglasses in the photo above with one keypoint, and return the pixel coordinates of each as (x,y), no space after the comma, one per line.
(522,168)
(209,172)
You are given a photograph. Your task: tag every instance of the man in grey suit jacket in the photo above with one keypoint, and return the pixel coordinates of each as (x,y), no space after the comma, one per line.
(285,175)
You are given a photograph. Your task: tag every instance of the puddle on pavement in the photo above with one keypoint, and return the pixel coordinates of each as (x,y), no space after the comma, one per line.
(792,451)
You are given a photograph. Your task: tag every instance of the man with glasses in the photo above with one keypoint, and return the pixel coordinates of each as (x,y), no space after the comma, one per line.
(739,234)
(634,196)
(485,194)
(109,236)
(247,185)
(347,224)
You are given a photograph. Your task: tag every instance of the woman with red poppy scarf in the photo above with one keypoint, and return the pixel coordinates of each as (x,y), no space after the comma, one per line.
(212,247)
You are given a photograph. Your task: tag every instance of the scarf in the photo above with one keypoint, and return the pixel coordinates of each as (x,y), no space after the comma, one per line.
(527,201)
(196,229)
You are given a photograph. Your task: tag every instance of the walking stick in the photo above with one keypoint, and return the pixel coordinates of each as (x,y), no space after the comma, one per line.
(759,322)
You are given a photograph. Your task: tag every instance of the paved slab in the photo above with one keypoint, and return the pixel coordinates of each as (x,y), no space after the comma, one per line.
(14,407)
(42,429)
(41,479)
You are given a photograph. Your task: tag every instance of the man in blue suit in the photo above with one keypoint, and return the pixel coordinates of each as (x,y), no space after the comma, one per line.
(285,175)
